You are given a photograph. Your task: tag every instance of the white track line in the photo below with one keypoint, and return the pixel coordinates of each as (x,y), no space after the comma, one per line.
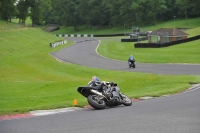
(55,111)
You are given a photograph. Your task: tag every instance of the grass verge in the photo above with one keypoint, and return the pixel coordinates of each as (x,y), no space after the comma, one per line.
(30,79)
(182,53)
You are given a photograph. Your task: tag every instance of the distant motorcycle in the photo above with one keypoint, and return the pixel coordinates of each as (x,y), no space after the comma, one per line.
(99,99)
(131,64)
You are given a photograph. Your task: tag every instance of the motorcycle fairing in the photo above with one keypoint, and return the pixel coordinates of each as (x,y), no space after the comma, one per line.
(85,91)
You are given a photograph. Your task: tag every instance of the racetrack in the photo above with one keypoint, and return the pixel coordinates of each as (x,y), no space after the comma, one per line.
(178,113)
(83,52)
(174,114)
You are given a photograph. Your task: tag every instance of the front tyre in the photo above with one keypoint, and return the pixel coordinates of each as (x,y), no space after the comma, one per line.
(95,102)
(134,65)
(126,100)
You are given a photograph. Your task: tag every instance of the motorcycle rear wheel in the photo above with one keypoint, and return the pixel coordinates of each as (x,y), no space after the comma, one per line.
(95,102)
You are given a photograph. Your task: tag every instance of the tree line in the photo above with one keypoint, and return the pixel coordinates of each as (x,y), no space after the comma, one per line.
(98,12)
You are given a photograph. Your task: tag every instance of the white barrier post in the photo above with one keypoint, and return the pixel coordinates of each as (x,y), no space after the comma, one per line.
(58,43)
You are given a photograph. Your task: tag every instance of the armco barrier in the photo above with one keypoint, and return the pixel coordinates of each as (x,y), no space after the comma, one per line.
(98,35)
(90,35)
(53,45)
(159,45)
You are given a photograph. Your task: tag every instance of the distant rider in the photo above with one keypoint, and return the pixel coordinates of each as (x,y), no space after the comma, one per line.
(131,58)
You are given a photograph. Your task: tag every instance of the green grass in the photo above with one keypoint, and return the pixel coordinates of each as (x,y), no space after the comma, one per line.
(30,79)
(182,53)
(178,23)
(193,32)
(4,26)
(88,30)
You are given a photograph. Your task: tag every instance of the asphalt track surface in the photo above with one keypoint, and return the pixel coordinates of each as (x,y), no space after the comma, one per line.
(83,52)
(178,113)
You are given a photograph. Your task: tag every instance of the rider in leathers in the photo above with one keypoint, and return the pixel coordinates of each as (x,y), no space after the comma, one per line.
(95,82)
(131,58)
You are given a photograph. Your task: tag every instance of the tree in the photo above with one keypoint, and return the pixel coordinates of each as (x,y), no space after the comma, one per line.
(126,11)
(84,12)
(97,13)
(158,7)
(52,16)
(141,12)
(22,8)
(7,9)
(171,11)
(184,6)
(68,13)
(46,7)
(35,12)
(195,7)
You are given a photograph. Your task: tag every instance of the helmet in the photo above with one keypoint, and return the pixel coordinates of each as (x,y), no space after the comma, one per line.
(131,57)
(95,78)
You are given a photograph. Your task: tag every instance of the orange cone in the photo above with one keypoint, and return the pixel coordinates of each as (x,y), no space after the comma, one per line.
(75,102)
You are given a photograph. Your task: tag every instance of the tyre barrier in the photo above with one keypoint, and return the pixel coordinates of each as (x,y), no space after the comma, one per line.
(53,45)
(159,45)
(109,35)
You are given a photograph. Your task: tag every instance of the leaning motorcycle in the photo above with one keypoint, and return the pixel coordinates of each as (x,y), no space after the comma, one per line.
(98,99)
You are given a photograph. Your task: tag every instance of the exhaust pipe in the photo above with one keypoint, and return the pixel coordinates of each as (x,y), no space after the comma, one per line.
(98,93)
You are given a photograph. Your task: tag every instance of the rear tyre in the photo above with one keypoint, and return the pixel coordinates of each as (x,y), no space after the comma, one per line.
(95,102)
(126,100)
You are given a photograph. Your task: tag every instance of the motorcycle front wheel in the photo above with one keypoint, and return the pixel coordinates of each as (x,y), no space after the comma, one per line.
(95,102)
(133,65)
(126,100)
